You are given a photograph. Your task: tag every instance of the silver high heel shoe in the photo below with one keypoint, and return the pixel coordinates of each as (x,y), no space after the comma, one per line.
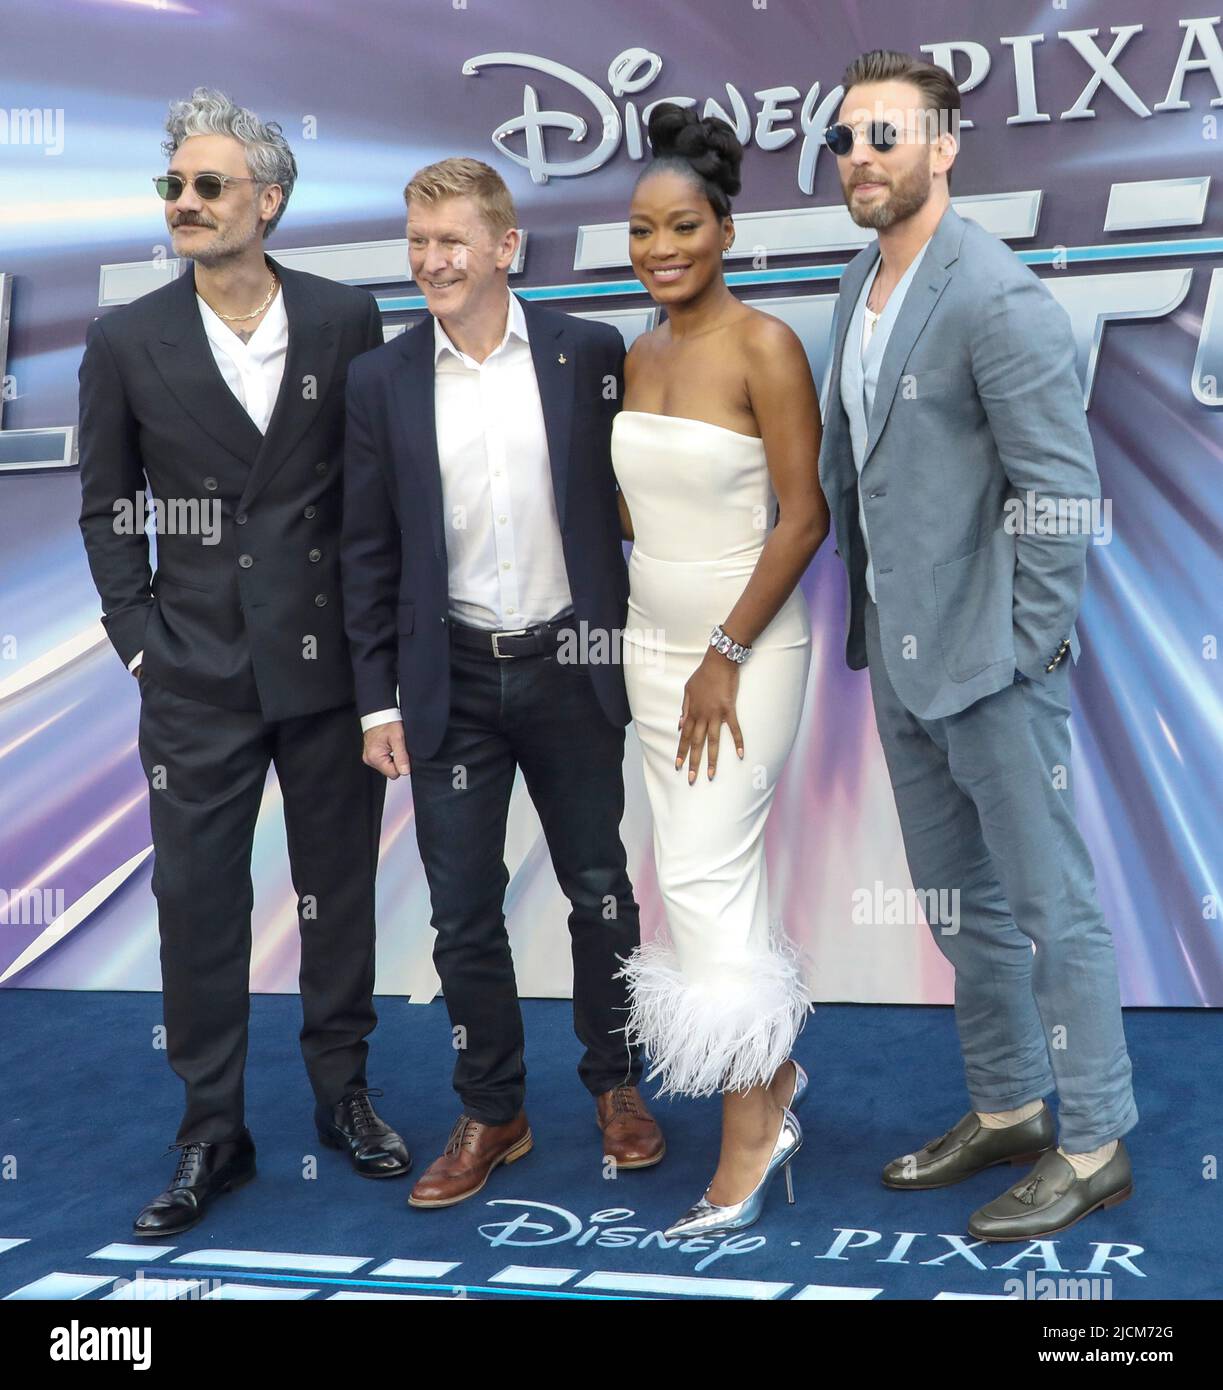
(707,1218)
(800,1085)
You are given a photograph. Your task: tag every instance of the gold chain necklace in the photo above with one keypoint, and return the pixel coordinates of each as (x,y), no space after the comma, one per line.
(238,318)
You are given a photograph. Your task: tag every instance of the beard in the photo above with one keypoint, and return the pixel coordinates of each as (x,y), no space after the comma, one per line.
(907,194)
(226,243)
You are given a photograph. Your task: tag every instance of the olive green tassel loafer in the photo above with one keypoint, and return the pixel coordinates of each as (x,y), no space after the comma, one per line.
(1053,1197)
(968,1148)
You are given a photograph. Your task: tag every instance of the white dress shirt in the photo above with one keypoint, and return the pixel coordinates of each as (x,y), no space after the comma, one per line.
(505,562)
(252,370)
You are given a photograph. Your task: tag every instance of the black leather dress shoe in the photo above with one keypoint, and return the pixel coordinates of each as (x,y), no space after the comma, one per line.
(968,1148)
(204,1171)
(373,1146)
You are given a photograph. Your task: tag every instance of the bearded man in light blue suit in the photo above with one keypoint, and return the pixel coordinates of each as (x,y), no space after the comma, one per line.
(954,417)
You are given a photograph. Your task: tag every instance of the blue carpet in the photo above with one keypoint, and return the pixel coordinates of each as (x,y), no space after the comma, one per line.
(89,1104)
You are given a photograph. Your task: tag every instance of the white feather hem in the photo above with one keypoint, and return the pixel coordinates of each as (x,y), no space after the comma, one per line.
(722,1032)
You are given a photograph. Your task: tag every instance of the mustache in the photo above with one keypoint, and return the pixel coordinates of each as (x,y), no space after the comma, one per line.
(187,219)
(866,178)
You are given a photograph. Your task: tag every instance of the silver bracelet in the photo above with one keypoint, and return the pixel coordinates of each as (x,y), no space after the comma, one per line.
(736,651)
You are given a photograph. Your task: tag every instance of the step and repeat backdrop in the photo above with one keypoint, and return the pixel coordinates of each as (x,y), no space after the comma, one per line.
(1091,144)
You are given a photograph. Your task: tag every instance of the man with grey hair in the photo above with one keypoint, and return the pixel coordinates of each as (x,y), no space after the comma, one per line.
(223,394)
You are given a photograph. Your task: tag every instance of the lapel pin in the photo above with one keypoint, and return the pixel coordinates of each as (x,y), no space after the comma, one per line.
(562,359)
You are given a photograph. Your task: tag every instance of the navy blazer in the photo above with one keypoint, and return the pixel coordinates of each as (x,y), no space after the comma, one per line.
(394,570)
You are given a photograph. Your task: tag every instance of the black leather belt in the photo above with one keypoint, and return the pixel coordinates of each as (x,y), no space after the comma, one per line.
(514,642)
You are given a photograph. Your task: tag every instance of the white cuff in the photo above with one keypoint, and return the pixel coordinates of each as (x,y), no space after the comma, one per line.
(135,661)
(381,716)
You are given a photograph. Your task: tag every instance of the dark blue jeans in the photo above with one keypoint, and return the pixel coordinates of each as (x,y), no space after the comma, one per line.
(541,715)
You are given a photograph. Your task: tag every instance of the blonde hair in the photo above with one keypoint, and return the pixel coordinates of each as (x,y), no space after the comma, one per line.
(460,177)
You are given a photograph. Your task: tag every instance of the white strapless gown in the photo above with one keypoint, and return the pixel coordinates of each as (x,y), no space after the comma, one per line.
(718,1004)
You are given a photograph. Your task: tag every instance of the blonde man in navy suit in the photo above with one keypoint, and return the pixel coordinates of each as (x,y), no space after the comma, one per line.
(481,541)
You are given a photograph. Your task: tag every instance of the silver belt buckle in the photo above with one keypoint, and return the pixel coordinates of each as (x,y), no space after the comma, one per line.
(514,632)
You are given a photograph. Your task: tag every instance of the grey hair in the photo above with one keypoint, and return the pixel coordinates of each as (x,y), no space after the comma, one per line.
(268,156)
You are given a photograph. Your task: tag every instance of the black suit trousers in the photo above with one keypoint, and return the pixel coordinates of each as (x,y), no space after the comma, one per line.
(207,767)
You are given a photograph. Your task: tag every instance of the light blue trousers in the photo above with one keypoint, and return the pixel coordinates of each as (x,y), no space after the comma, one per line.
(981,811)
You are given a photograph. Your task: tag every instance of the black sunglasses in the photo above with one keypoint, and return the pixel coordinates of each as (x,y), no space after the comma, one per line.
(208,186)
(880,135)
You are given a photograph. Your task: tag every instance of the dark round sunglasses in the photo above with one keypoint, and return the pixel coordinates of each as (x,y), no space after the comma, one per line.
(880,135)
(208,186)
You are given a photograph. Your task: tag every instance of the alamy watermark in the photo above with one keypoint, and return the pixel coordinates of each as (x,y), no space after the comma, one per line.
(1036,515)
(33,126)
(600,646)
(30,907)
(1036,1286)
(172,516)
(881,906)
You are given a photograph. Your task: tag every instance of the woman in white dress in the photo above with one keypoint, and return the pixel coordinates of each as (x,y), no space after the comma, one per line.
(719,429)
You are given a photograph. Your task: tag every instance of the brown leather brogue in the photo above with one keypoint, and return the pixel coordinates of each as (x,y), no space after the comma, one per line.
(472,1152)
(630,1133)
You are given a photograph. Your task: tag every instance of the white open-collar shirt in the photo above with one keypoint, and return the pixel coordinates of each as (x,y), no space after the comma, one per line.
(253,370)
(505,562)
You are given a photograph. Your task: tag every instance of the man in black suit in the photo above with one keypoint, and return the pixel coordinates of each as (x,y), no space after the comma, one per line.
(483,575)
(223,393)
